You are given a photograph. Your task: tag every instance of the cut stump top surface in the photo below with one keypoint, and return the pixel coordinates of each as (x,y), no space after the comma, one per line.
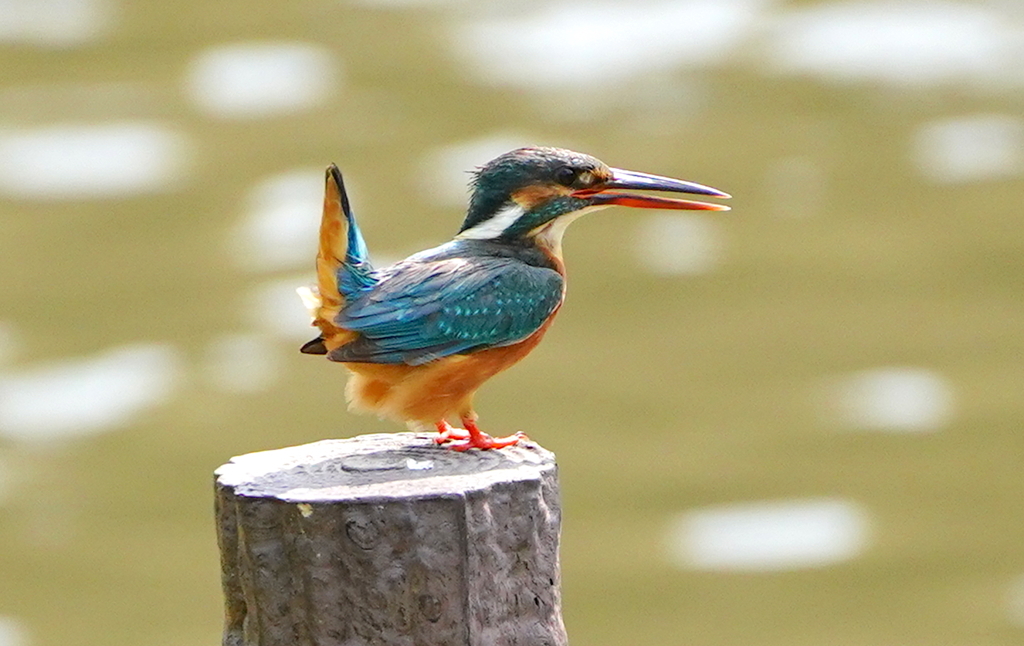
(386,465)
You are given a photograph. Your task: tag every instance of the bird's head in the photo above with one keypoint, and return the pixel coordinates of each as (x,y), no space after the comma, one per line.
(536,192)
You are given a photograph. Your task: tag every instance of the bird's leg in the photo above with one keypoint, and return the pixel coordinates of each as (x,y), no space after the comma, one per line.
(479,440)
(445,433)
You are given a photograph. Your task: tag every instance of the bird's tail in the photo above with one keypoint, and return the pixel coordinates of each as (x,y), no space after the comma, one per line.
(342,266)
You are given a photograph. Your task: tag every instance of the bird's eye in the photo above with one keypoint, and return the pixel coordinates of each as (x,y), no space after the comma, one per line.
(565,176)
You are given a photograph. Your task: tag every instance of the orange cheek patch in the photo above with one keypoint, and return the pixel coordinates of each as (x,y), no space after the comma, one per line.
(531,196)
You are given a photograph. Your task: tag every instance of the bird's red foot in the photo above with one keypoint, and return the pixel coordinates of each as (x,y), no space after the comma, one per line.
(485,442)
(446,433)
(477,439)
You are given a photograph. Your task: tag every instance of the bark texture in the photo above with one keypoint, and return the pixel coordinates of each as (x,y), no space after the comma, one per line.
(390,539)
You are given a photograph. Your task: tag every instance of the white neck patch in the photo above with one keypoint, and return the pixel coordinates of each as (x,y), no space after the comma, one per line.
(550,234)
(495,225)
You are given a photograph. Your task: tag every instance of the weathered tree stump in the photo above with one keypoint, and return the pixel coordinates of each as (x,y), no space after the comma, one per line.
(390,539)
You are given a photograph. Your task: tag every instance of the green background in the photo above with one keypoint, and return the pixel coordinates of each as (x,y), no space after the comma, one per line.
(660,393)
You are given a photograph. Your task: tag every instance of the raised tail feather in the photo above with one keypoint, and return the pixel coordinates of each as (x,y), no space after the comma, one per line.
(343,268)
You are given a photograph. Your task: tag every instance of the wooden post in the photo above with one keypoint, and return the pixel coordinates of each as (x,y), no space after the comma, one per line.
(390,540)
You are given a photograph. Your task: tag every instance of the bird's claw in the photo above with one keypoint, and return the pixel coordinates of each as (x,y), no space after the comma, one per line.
(448,433)
(471,437)
(484,442)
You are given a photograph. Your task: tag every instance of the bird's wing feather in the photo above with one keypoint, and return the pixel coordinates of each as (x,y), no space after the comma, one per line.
(423,311)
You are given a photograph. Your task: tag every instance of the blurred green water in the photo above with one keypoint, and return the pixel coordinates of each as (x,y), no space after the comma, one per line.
(659,393)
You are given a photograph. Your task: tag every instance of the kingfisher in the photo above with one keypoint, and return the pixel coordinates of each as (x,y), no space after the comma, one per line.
(419,337)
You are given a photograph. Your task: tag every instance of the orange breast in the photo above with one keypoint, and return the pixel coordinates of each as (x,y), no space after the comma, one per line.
(434,391)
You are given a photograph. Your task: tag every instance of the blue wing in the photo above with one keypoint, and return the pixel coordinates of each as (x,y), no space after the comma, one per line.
(421,311)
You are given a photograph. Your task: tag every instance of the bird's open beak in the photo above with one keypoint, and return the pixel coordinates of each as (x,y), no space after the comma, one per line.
(606,195)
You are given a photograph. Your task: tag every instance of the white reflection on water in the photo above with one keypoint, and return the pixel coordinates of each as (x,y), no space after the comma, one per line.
(90,161)
(280,229)
(589,44)
(895,399)
(445,171)
(678,244)
(54,23)
(766,536)
(586,47)
(278,310)
(970,148)
(243,363)
(903,43)
(254,79)
(12,632)
(87,395)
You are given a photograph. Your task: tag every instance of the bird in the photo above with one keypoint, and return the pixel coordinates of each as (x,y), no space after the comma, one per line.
(420,336)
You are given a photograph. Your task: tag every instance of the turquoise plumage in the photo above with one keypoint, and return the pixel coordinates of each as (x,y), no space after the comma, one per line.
(457,298)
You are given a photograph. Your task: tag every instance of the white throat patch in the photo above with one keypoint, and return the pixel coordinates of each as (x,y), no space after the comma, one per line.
(550,234)
(495,225)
